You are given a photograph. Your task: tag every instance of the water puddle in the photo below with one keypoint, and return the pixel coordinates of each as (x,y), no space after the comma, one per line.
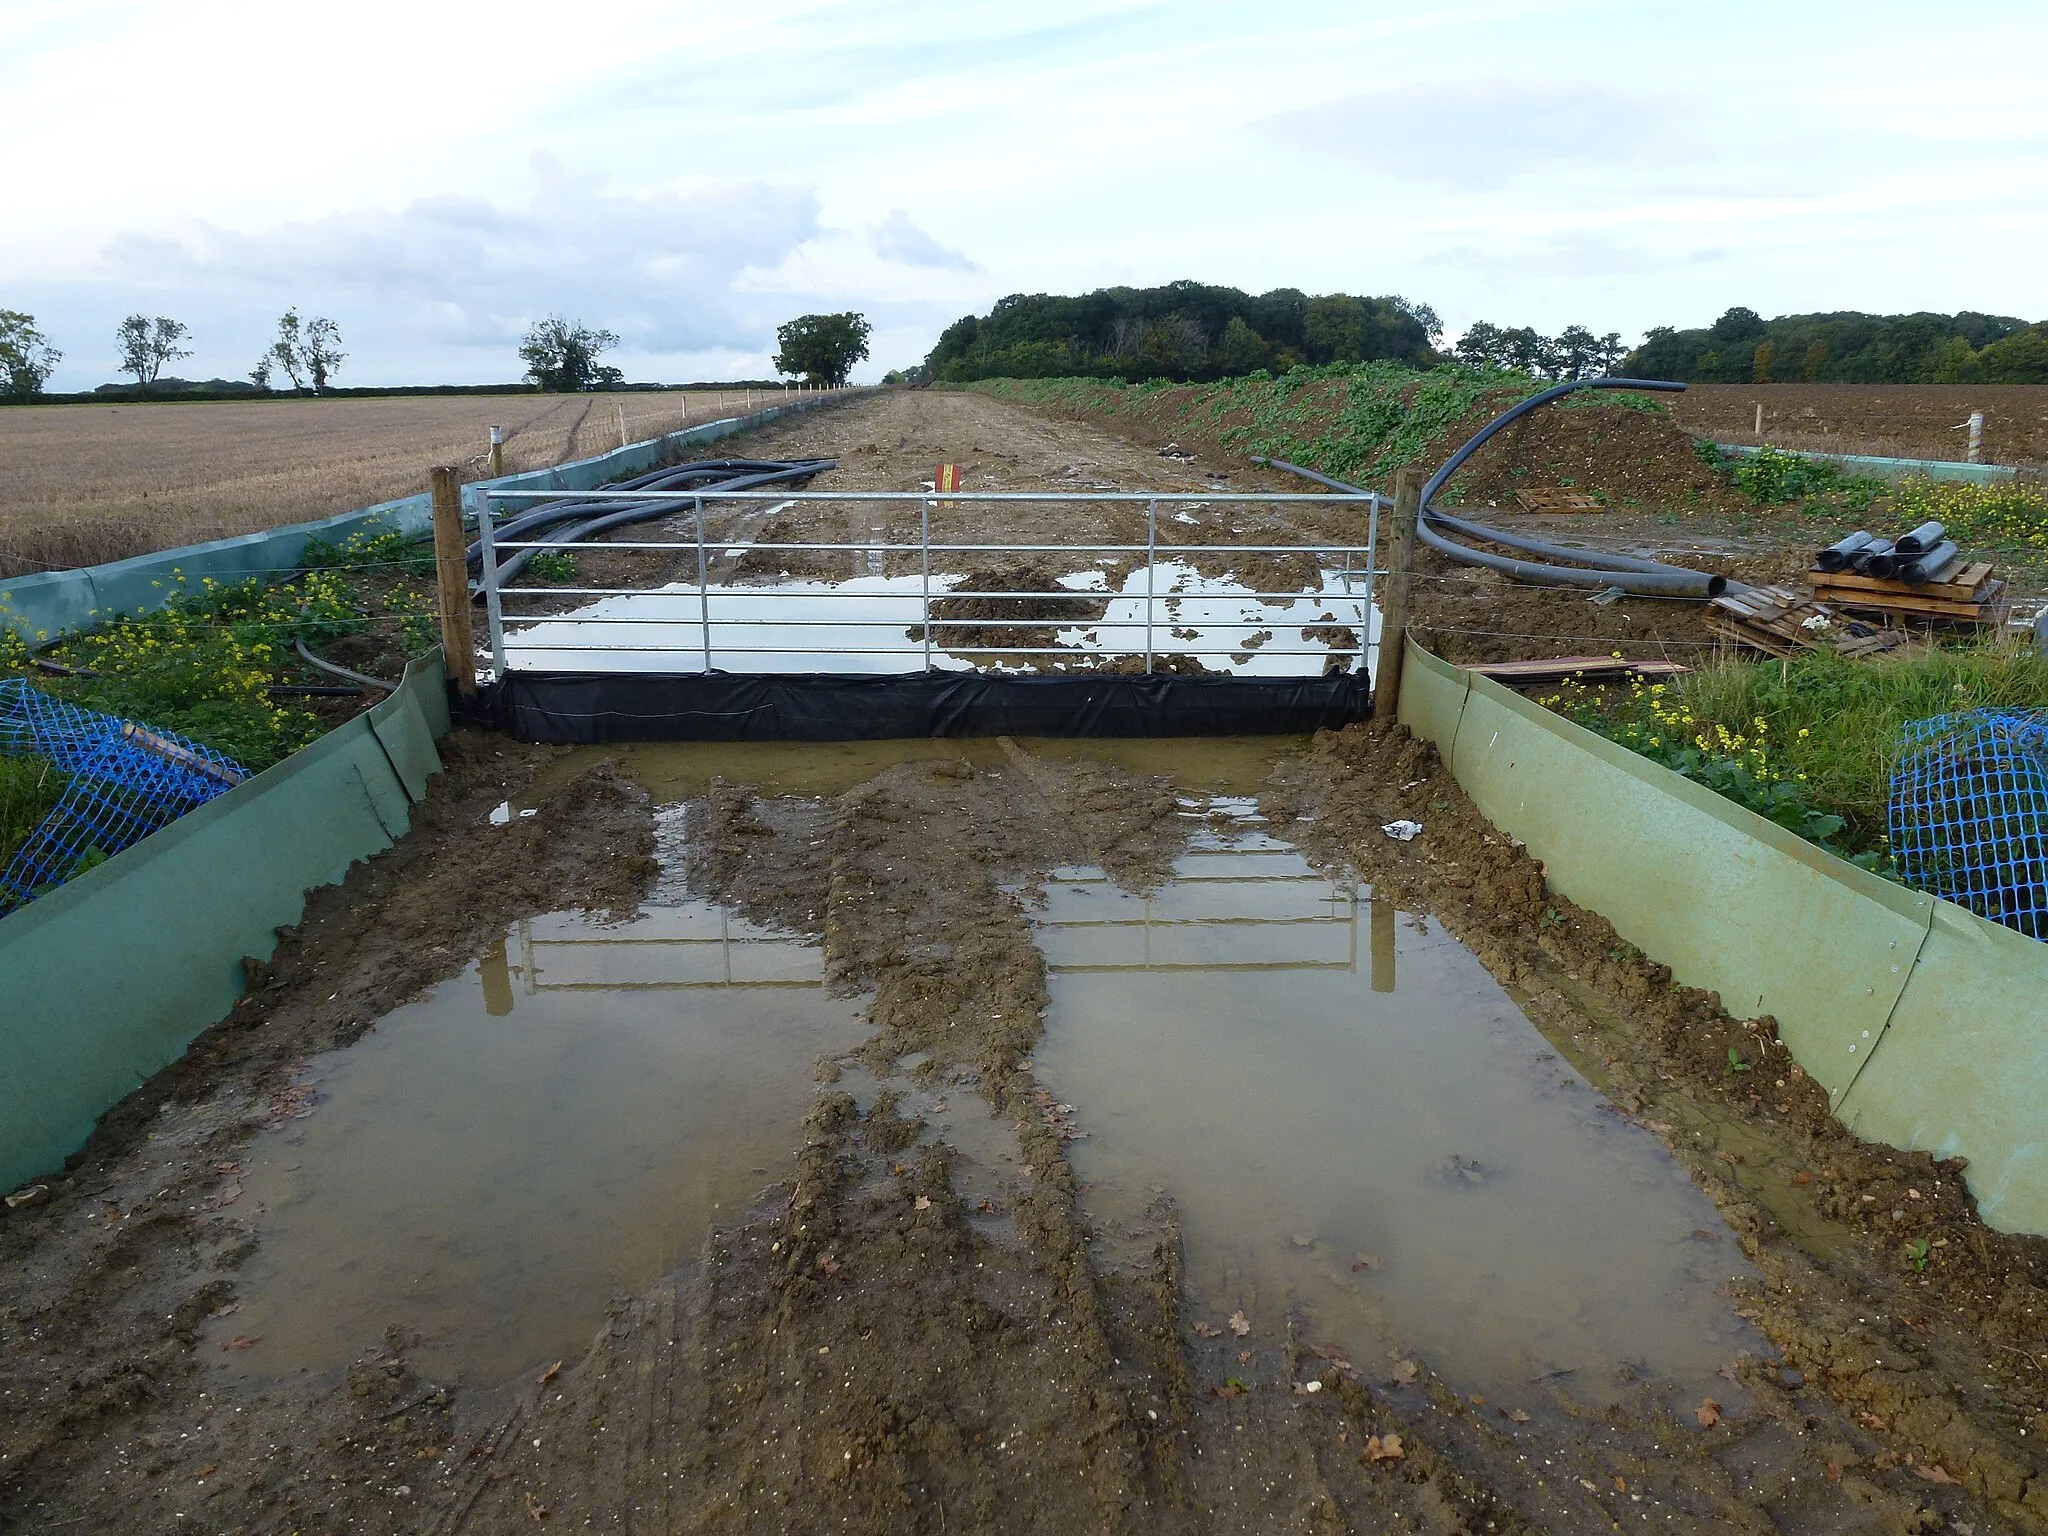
(866,625)
(1364,1134)
(562,1123)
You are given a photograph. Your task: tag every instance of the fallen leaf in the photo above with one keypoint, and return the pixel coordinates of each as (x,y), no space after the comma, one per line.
(536,1509)
(1936,1474)
(924,1202)
(1802,1178)
(1478,1402)
(550,1374)
(208,1470)
(1406,1371)
(1871,1421)
(1368,1261)
(1239,1323)
(1704,1236)
(1708,1413)
(1384,1448)
(1834,1471)
(1620,1483)
(1244,1357)
(1517,1415)
(1231,1387)
(243,1341)
(27,1196)
(829,1264)
(1208,1331)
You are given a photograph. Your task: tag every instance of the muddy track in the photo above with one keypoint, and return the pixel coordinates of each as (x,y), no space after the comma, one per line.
(1933,1361)
(915,1328)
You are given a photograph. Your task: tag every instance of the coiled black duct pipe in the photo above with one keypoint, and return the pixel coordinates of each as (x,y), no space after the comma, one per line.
(571,520)
(1577,567)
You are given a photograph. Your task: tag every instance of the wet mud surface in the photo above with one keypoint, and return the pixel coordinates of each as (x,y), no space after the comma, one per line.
(924,1316)
(956,1276)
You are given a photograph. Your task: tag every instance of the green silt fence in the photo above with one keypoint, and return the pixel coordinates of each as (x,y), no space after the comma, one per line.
(1927,1025)
(107,980)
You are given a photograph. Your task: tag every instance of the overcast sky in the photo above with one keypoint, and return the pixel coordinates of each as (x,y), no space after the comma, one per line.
(436,175)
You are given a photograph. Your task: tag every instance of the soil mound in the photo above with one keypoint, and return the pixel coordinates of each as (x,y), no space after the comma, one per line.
(1000,621)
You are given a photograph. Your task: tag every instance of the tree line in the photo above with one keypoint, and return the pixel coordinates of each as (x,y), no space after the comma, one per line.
(1847,347)
(1181,331)
(561,354)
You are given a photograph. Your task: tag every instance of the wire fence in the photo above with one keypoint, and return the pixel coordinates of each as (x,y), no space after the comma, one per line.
(1968,813)
(124,781)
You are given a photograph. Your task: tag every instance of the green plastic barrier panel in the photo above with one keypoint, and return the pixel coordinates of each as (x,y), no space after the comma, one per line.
(1964,1065)
(1927,1025)
(108,979)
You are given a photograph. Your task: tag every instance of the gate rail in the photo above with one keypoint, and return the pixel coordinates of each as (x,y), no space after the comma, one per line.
(1353,565)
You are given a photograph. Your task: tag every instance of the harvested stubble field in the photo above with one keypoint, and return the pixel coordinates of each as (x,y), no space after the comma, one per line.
(90,483)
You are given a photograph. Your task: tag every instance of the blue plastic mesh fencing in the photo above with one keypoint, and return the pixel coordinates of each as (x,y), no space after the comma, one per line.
(1969,813)
(126,781)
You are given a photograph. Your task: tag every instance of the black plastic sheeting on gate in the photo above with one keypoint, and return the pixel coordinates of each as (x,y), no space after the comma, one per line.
(577,708)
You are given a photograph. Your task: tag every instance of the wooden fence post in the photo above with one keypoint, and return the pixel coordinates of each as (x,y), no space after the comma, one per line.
(451,564)
(497,452)
(1386,686)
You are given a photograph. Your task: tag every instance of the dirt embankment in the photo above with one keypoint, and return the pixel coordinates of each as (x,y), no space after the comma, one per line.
(1905,421)
(1915,1338)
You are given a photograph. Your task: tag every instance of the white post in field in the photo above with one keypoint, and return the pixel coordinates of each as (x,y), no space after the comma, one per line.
(1759,421)
(1976,437)
(622,421)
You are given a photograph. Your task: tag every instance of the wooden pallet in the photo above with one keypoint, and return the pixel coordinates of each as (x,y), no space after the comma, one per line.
(1515,673)
(1559,500)
(1778,622)
(1963,592)
(1905,602)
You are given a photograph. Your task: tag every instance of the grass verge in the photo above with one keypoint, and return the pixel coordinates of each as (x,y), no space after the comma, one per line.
(1809,742)
(209,663)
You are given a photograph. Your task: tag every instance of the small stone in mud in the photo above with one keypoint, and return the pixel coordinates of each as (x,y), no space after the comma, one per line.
(1368,1261)
(1302,1240)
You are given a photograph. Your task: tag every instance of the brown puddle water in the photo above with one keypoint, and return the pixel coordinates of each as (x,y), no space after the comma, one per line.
(562,1123)
(1366,1137)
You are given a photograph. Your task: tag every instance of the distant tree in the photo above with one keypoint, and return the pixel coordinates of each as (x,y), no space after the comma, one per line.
(1242,349)
(1760,362)
(561,355)
(1423,315)
(1816,361)
(2021,358)
(307,352)
(26,357)
(1484,345)
(821,348)
(321,349)
(260,374)
(146,345)
(1578,354)
(1525,349)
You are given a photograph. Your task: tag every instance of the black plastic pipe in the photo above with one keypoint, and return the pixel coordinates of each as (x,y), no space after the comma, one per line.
(1925,567)
(1836,556)
(1874,559)
(1921,539)
(1580,567)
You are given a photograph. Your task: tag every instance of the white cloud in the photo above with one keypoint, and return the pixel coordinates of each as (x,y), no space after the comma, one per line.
(658,266)
(1480,135)
(897,239)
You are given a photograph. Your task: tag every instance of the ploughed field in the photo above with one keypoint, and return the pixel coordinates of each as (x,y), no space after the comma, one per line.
(1902,421)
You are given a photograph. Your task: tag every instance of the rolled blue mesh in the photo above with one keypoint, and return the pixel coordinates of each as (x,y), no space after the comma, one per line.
(126,781)
(1969,813)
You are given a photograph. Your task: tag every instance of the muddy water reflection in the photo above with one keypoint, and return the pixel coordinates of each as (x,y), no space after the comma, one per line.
(1364,1132)
(563,1122)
